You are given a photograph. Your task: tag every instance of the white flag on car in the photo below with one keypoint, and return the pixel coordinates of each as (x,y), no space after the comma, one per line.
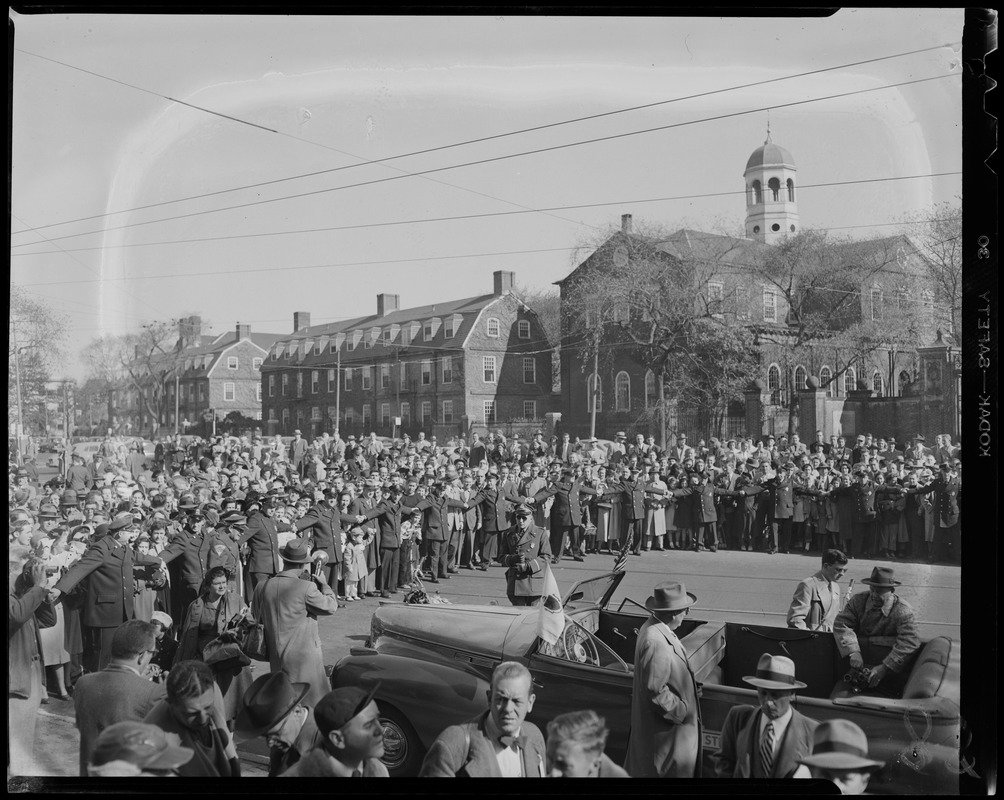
(552,618)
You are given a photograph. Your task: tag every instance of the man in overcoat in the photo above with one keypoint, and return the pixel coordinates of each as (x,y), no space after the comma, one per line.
(566,513)
(525,550)
(262,536)
(665,737)
(288,605)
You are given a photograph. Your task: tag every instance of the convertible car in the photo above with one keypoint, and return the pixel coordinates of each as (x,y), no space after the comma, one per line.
(434,664)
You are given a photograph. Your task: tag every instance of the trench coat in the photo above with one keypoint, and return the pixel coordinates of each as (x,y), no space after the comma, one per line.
(665,738)
(288,607)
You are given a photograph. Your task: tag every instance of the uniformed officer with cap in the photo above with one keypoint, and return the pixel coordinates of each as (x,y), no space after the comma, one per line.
(524,554)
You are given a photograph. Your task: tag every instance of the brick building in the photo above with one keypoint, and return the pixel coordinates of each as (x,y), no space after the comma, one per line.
(443,368)
(208,375)
(629,393)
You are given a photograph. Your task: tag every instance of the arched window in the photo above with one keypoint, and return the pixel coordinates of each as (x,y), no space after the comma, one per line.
(756,193)
(775,189)
(877,382)
(800,377)
(622,392)
(594,390)
(826,380)
(850,380)
(774,383)
(791,190)
(651,390)
(904,381)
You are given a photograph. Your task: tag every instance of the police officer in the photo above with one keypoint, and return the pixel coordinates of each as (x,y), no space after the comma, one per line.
(525,550)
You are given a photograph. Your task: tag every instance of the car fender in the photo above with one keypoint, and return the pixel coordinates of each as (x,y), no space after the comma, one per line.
(458,691)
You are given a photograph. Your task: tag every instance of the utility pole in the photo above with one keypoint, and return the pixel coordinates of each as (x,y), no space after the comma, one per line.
(177,401)
(338,391)
(596,386)
(19,428)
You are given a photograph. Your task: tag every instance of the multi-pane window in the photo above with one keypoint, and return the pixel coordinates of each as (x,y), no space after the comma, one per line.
(769,305)
(800,378)
(523,329)
(331,380)
(229,391)
(299,384)
(315,381)
(622,392)
(530,409)
(489,369)
(448,369)
(426,413)
(257,392)
(449,328)
(715,295)
(350,416)
(876,303)
(489,412)
(285,384)
(348,379)
(272,415)
(385,376)
(405,414)
(493,327)
(826,381)
(651,390)
(271,385)
(255,363)
(404,374)
(877,382)
(774,383)
(742,302)
(428,331)
(385,414)
(426,373)
(285,419)
(315,413)
(850,380)
(529,369)
(367,378)
(366,414)
(231,362)
(448,412)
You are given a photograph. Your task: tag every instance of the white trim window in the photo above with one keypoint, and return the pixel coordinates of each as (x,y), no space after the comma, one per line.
(493,328)
(331,380)
(367,379)
(315,381)
(385,414)
(529,369)
(256,363)
(426,373)
(490,375)
(529,409)
(448,369)
(769,305)
(489,412)
(229,391)
(426,413)
(622,392)
(271,385)
(850,380)
(448,412)
(826,381)
(523,329)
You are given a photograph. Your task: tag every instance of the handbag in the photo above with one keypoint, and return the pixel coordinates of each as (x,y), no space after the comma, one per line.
(253,643)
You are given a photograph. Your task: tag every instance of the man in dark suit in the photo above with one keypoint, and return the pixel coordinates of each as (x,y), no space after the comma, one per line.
(633,491)
(769,741)
(106,571)
(498,744)
(262,535)
(323,526)
(477,453)
(436,529)
(388,513)
(947,489)
(493,502)
(119,692)
(566,513)
(524,553)
(565,449)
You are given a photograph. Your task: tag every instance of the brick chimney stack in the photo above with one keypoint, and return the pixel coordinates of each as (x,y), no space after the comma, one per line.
(626,223)
(243,331)
(504,282)
(301,320)
(387,304)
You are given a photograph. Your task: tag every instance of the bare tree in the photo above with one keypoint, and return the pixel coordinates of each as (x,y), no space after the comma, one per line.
(35,349)
(546,304)
(938,236)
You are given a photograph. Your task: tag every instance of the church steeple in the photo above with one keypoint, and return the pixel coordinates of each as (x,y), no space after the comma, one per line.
(771,211)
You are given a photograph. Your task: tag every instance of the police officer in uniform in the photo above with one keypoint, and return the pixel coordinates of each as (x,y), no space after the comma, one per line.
(524,554)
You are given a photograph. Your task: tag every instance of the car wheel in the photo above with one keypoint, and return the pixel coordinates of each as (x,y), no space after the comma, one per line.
(402,749)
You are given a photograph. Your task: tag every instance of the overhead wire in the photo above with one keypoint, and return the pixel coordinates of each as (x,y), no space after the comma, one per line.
(494,159)
(439,148)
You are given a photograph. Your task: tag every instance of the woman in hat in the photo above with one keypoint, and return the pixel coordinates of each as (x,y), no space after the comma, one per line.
(217,613)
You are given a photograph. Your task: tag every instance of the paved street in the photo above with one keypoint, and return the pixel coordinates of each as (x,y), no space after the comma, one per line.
(737,586)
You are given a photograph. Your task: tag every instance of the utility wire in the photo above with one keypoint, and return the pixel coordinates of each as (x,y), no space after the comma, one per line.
(438,148)
(494,159)
(499,214)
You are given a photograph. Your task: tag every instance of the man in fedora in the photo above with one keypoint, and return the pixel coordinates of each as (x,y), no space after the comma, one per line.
(879,628)
(287,605)
(665,737)
(840,755)
(350,741)
(272,707)
(769,741)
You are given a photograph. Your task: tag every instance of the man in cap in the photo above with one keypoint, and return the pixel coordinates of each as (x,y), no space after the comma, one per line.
(288,604)
(262,536)
(136,750)
(500,743)
(350,738)
(272,707)
(566,513)
(665,738)
(106,571)
(524,553)
(493,501)
(879,628)
(839,755)
(322,525)
(435,528)
(947,489)
(769,741)
(119,692)
(816,601)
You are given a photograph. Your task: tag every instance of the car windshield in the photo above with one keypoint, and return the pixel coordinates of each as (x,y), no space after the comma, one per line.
(594,591)
(578,645)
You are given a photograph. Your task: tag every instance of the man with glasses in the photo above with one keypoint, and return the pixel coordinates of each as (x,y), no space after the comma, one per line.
(120,691)
(816,601)
(273,708)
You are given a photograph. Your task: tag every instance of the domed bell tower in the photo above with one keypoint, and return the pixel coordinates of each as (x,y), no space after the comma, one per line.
(771,211)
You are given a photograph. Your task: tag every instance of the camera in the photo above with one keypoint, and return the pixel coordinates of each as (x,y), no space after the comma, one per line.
(858,677)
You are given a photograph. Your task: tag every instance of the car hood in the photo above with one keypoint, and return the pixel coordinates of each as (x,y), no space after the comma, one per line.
(475,629)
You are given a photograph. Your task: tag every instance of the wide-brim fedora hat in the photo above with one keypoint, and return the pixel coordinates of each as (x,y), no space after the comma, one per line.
(882,576)
(670,596)
(840,744)
(776,673)
(295,551)
(267,702)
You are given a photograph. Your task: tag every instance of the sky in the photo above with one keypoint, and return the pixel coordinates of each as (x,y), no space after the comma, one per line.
(224,166)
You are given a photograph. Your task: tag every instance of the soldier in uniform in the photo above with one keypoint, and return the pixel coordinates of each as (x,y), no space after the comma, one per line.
(632,493)
(566,513)
(493,502)
(524,554)
(947,489)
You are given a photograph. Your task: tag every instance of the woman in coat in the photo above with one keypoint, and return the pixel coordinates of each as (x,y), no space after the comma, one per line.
(216,610)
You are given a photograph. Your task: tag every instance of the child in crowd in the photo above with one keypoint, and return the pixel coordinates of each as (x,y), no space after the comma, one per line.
(355,562)
(411,535)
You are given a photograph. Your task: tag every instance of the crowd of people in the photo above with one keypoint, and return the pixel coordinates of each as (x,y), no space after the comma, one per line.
(132,569)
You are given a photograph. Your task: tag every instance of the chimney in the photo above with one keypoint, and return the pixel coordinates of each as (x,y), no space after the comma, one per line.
(189,331)
(243,331)
(504,282)
(301,320)
(625,223)
(387,303)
